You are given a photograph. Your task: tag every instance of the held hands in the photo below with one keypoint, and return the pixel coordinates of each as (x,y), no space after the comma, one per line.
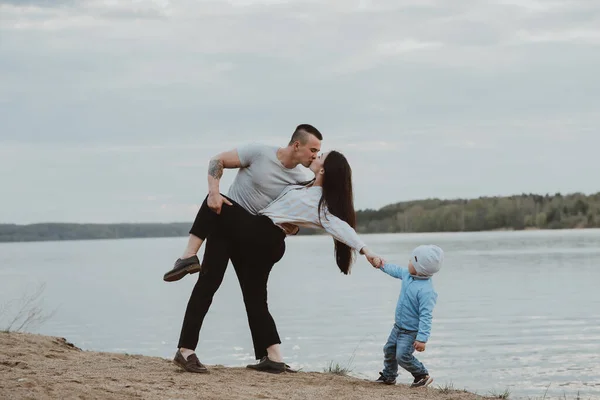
(215,202)
(419,346)
(375,260)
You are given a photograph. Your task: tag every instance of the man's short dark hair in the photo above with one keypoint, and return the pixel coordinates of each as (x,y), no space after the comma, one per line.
(302,131)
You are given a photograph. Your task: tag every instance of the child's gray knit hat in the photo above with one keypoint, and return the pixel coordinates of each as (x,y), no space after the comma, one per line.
(427,259)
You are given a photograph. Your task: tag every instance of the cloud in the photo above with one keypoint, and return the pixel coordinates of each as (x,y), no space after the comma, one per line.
(571,36)
(131,98)
(39,3)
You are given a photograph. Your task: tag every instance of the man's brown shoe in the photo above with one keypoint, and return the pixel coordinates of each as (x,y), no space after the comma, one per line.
(192,364)
(266,365)
(181,268)
(289,369)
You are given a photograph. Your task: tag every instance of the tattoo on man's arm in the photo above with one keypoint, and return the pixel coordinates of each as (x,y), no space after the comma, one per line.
(215,169)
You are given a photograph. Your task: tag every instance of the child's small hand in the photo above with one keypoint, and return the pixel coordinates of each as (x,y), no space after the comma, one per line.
(373,258)
(419,346)
(378,262)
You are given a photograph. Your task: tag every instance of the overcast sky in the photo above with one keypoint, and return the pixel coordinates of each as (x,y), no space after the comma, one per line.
(110,110)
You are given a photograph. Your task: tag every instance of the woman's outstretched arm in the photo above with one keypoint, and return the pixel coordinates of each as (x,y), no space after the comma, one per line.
(342,231)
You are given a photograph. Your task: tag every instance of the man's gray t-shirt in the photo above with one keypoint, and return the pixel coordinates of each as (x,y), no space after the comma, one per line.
(262,177)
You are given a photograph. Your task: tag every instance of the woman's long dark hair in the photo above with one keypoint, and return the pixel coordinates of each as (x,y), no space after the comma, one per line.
(338,197)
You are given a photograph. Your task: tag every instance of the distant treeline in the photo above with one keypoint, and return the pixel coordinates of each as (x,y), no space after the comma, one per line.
(526,211)
(60,231)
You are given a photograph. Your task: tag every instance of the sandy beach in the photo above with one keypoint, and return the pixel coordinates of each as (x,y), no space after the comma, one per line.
(44,367)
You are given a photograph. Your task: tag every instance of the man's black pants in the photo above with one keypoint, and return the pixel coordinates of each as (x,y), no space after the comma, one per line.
(254,244)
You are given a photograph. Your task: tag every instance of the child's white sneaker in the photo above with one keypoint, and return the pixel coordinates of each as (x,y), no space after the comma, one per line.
(422,381)
(385,379)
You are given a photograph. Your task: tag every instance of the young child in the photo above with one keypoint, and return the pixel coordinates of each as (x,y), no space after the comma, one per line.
(413,315)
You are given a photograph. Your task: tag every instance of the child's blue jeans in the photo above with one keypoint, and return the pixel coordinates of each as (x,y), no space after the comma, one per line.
(399,351)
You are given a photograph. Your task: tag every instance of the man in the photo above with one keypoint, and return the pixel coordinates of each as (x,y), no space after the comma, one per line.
(264,171)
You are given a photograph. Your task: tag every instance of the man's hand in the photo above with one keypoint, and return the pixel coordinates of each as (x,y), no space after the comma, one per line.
(215,202)
(228,159)
(290,229)
(419,346)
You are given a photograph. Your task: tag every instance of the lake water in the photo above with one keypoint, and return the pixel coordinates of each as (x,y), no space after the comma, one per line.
(516,310)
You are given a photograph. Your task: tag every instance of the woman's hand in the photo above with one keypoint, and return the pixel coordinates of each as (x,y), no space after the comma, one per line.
(378,262)
(374,259)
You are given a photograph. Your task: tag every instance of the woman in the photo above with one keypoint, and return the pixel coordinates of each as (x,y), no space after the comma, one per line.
(257,243)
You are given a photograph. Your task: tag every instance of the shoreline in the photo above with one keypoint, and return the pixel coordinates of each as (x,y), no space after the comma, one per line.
(46,367)
(498,230)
